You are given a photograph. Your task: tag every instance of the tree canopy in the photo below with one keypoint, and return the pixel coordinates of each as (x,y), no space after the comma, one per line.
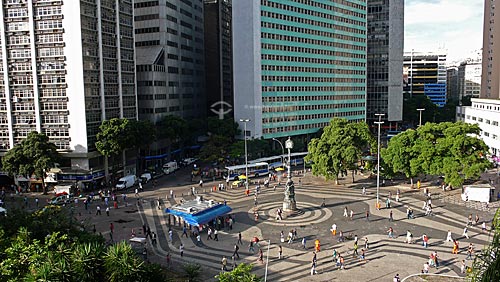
(113,136)
(49,245)
(32,156)
(242,273)
(449,149)
(339,148)
(221,137)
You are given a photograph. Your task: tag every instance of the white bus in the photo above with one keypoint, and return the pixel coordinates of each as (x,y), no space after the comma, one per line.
(277,161)
(254,170)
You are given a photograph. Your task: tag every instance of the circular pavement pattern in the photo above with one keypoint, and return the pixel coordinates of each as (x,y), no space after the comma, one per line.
(307,213)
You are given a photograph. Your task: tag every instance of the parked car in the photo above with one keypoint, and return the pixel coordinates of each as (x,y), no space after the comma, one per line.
(188,161)
(145,177)
(126,182)
(60,200)
(170,167)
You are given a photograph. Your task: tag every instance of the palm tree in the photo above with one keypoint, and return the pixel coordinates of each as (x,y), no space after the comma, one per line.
(122,264)
(88,262)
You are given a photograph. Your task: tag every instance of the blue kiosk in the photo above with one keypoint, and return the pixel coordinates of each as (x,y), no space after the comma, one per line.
(198,212)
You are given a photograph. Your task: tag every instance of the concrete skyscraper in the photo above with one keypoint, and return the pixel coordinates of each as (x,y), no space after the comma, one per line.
(385,61)
(169,56)
(490,82)
(298,64)
(65,67)
(219,57)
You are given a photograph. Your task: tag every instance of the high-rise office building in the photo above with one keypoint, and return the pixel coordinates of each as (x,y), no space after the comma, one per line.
(169,57)
(384,92)
(298,64)
(218,57)
(452,92)
(469,79)
(65,67)
(491,55)
(424,73)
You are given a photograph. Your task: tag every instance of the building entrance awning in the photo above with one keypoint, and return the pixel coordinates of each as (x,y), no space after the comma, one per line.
(198,212)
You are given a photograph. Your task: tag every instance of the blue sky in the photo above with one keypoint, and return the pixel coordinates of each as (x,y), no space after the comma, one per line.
(455,25)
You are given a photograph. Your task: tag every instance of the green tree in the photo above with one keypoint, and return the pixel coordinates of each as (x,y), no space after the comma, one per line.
(142,133)
(173,128)
(33,155)
(486,265)
(222,136)
(339,148)
(449,149)
(400,154)
(242,273)
(192,271)
(412,103)
(114,136)
(122,264)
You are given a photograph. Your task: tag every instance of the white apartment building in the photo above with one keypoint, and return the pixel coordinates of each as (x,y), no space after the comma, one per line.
(485,113)
(469,78)
(65,66)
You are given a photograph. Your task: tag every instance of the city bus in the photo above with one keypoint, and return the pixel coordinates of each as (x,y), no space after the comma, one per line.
(254,170)
(277,161)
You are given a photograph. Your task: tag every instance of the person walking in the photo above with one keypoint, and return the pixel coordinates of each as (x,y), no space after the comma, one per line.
(153,239)
(455,247)
(170,235)
(409,237)
(469,220)
(465,232)
(224,263)
(477,219)
(463,267)
(136,192)
(448,237)
(366,243)
(304,241)
(470,250)
(391,233)
(280,252)
(425,240)
(209,234)
(235,252)
(351,215)
(483,227)
(111,227)
(367,216)
(98,210)
(355,249)
(290,237)
(364,191)
(345,212)
(261,256)
(184,231)
(216,235)
(107,211)
(181,250)
(239,239)
(334,229)
(390,216)
(198,240)
(251,248)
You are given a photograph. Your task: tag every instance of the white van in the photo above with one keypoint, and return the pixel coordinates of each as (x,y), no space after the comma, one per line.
(126,182)
(170,167)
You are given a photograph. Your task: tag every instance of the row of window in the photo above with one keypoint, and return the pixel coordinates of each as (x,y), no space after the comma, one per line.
(327,6)
(302,117)
(317,51)
(288,108)
(313,79)
(311,31)
(294,127)
(305,59)
(312,88)
(311,98)
(311,69)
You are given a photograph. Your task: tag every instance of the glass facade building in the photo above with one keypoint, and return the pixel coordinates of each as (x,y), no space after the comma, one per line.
(298,64)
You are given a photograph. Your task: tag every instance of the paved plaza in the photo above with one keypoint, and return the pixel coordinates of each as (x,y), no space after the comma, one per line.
(385,257)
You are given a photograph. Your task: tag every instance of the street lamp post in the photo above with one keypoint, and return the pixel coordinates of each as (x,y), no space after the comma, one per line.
(282,150)
(246,153)
(379,122)
(289,203)
(420,116)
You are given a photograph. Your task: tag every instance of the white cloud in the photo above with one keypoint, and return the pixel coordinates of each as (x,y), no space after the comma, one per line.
(455,25)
